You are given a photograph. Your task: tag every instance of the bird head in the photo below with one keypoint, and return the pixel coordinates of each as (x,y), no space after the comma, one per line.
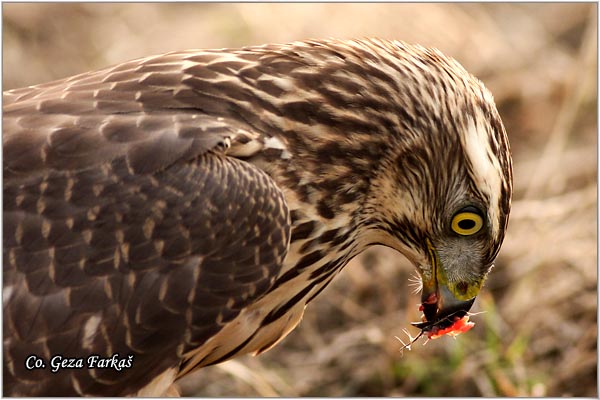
(442,196)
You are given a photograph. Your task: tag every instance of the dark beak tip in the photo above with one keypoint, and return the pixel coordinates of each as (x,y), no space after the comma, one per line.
(458,308)
(421,325)
(433,314)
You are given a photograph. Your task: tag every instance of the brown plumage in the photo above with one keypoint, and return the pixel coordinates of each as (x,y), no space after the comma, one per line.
(184,208)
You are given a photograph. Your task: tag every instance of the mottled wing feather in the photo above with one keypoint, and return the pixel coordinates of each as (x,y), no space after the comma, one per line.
(150,265)
(126,229)
(136,109)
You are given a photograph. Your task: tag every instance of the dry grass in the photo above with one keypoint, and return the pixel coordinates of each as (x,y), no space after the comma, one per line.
(538,335)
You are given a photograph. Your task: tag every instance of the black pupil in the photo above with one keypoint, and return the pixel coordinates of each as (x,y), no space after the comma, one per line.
(466,224)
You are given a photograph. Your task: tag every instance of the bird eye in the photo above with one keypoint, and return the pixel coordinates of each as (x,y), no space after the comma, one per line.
(467,222)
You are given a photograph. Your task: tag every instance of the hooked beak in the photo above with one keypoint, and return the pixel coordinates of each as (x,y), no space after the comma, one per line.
(439,305)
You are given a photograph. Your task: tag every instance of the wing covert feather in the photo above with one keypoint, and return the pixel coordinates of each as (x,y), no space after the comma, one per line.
(107,260)
(144,110)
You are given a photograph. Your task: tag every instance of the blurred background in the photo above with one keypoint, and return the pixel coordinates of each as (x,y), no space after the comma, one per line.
(537,334)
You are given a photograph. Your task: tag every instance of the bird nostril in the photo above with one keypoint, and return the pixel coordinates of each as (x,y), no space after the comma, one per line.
(462,287)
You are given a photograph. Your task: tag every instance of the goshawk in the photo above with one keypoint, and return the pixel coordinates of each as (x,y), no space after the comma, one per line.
(174,211)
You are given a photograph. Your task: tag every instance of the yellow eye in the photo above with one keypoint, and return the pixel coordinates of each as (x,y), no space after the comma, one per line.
(467,223)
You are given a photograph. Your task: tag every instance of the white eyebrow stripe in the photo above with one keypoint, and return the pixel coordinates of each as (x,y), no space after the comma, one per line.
(486,168)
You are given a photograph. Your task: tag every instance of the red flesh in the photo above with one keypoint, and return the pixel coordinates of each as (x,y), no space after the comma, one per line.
(460,325)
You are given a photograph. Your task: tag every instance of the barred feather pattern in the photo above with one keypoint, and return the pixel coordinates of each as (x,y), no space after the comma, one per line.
(368,141)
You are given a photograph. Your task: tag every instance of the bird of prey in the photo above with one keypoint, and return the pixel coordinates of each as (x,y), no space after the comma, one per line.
(175,211)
